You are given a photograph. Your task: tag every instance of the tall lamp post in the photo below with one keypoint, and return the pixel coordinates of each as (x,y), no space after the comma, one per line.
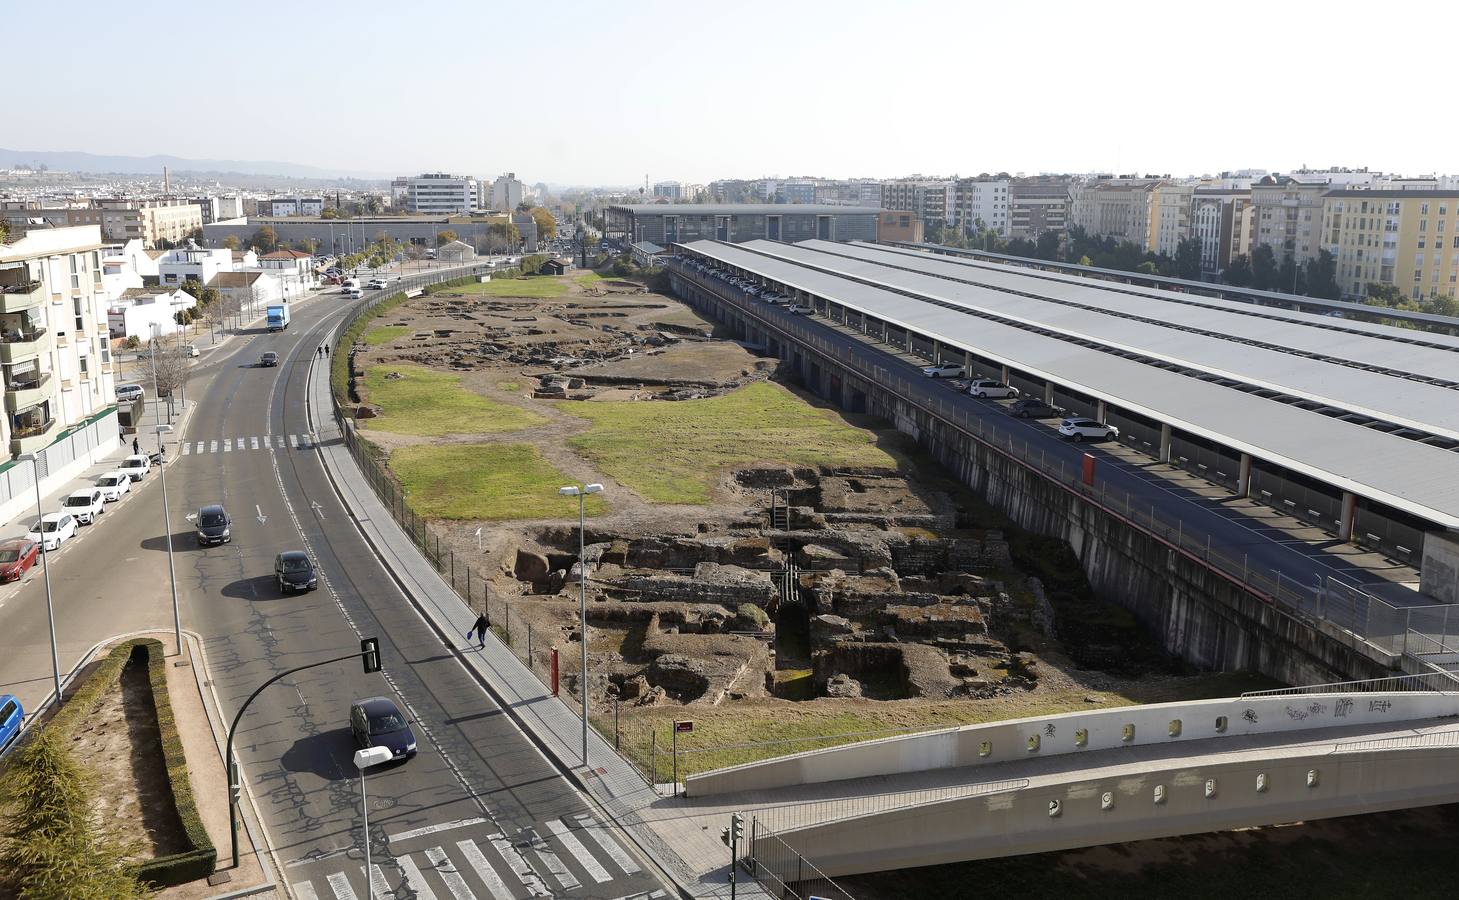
(166,512)
(45,568)
(364,759)
(581,492)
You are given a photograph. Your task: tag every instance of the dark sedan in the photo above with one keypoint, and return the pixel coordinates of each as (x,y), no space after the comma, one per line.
(214,526)
(295,571)
(17,555)
(1034,408)
(378,722)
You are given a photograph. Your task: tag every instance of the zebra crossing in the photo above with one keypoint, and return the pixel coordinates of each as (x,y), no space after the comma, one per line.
(572,851)
(249,443)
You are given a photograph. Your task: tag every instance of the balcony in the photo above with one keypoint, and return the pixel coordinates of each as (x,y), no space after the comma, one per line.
(16,298)
(18,346)
(20,395)
(33,436)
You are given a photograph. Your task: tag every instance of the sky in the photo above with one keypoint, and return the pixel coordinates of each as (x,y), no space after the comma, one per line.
(594,93)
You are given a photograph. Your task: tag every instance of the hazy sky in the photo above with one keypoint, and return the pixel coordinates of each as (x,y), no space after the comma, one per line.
(604,93)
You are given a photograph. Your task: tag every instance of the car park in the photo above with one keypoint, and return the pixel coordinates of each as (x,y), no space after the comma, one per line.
(943,370)
(1079,428)
(269,359)
(56,527)
(213,525)
(294,571)
(113,485)
(378,722)
(1034,408)
(17,555)
(136,466)
(12,717)
(984,387)
(86,505)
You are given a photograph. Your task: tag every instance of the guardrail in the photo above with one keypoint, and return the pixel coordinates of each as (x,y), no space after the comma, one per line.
(782,871)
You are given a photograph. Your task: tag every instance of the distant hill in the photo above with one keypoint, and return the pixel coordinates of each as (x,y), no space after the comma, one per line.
(75,161)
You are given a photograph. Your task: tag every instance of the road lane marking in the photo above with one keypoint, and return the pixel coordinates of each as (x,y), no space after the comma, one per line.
(432,829)
(414,879)
(255,443)
(185,448)
(477,861)
(578,851)
(341,887)
(599,834)
(447,870)
(523,871)
(304,891)
(199,448)
(380,890)
(227,444)
(213,448)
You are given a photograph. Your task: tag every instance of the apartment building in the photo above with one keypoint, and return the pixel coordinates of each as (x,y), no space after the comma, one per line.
(1289,215)
(1406,238)
(192,262)
(1036,207)
(977,200)
(859,192)
(1223,221)
(435,193)
(1122,208)
(797,191)
(55,359)
(506,192)
(667,190)
(1172,217)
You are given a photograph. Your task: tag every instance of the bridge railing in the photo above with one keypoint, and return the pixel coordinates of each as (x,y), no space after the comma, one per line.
(782,871)
(822,812)
(1432,681)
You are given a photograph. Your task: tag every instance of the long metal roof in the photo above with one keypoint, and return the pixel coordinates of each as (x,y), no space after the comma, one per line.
(1416,478)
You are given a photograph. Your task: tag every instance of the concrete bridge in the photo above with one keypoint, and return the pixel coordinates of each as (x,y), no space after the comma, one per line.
(1098,777)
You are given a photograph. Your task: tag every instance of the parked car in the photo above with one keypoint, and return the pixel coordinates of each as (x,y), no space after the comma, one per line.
(86,505)
(799,310)
(295,571)
(190,350)
(945,370)
(113,485)
(1077,428)
(17,555)
(136,466)
(126,393)
(12,716)
(213,525)
(378,722)
(269,359)
(1034,408)
(983,387)
(57,527)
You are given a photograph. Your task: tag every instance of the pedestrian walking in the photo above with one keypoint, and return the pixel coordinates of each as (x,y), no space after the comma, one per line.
(136,447)
(479,627)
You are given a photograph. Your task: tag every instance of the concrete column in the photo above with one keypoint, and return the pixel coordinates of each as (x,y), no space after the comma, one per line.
(1049,392)
(1349,513)
(968,363)
(1243,480)
(1165,442)
(936,352)
(908,342)
(1101,411)
(1004,377)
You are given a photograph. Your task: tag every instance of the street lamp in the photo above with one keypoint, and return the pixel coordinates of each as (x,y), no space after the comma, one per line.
(364,759)
(166,513)
(46,568)
(581,492)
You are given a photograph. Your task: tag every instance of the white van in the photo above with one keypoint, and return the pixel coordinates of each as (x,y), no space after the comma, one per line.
(354,293)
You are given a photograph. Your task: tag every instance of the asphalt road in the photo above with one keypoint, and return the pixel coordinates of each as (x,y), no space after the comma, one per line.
(479,813)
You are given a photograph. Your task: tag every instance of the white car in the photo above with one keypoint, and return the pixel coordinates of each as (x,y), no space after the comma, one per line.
(190,350)
(136,466)
(984,387)
(113,485)
(376,284)
(799,310)
(1077,428)
(945,370)
(57,528)
(86,505)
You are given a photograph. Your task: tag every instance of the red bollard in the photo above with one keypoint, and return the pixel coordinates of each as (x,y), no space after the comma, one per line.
(554,671)
(1088,473)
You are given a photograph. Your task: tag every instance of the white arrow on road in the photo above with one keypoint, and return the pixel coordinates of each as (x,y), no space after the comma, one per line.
(318,510)
(262,519)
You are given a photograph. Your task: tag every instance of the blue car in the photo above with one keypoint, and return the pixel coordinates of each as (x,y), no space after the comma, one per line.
(11,717)
(378,722)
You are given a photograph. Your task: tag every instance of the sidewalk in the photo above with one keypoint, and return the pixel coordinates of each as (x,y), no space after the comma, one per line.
(689,851)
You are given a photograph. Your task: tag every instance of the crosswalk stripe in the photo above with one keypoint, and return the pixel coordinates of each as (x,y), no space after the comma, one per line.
(305,443)
(213,448)
(255,443)
(227,444)
(578,851)
(477,861)
(186,447)
(523,871)
(599,834)
(558,870)
(381,889)
(414,879)
(341,887)
(447,870)
(199,448)
(294,441)
(281,443)
(304,891)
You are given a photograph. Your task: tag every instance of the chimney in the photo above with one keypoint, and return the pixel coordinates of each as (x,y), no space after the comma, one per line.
(166,184)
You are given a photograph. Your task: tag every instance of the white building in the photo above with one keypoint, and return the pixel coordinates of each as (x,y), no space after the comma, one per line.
(978,200)
(435,192)
(230,208)
(506,192)
(203,265)
(252,290)
(147,311)
(291,206)
(294,270)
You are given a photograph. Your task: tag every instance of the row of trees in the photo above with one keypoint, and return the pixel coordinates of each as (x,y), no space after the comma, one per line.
(1262,271)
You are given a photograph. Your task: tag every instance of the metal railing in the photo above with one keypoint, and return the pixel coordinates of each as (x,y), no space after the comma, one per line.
(1347,606)
(823,812)
(1432,681)
(782,871)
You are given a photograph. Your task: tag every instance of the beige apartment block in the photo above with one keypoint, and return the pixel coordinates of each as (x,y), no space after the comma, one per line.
(1406,238)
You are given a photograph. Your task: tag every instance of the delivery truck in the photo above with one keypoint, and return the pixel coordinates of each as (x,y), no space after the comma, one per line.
(278,316)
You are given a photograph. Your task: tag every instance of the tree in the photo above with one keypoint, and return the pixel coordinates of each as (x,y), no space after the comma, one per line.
(1238,273)
(1289,276)
(1188,259)
(1048,245)
(1147,268)
(4,232)
(502,236)
(373,205)
(1263,268)
(329,212)
(546,224)
(196,234)
(231,242)
(1322,277)
(1384,295)
(307,245)
(446,237)
(265,239)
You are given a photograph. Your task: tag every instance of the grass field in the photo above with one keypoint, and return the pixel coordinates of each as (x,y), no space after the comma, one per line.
(537,287)
(431,403)
(673,452)
(588,279)
(484,481)
(384,334)
(721,733)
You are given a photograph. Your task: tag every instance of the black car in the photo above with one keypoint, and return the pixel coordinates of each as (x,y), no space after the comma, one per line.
(214,526)
(378,722)
(295,571)
(269,359)
(1034,408)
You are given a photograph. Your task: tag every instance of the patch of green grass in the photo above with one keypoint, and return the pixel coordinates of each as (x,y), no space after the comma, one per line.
(537,287)
(673,452)
(384,334)
(431,403)
(485,481)
(588,279)
(509,385)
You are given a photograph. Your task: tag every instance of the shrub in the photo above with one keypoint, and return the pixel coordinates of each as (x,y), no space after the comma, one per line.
(753,616)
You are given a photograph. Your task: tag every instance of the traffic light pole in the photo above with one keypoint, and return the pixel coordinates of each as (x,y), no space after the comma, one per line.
(369,652)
